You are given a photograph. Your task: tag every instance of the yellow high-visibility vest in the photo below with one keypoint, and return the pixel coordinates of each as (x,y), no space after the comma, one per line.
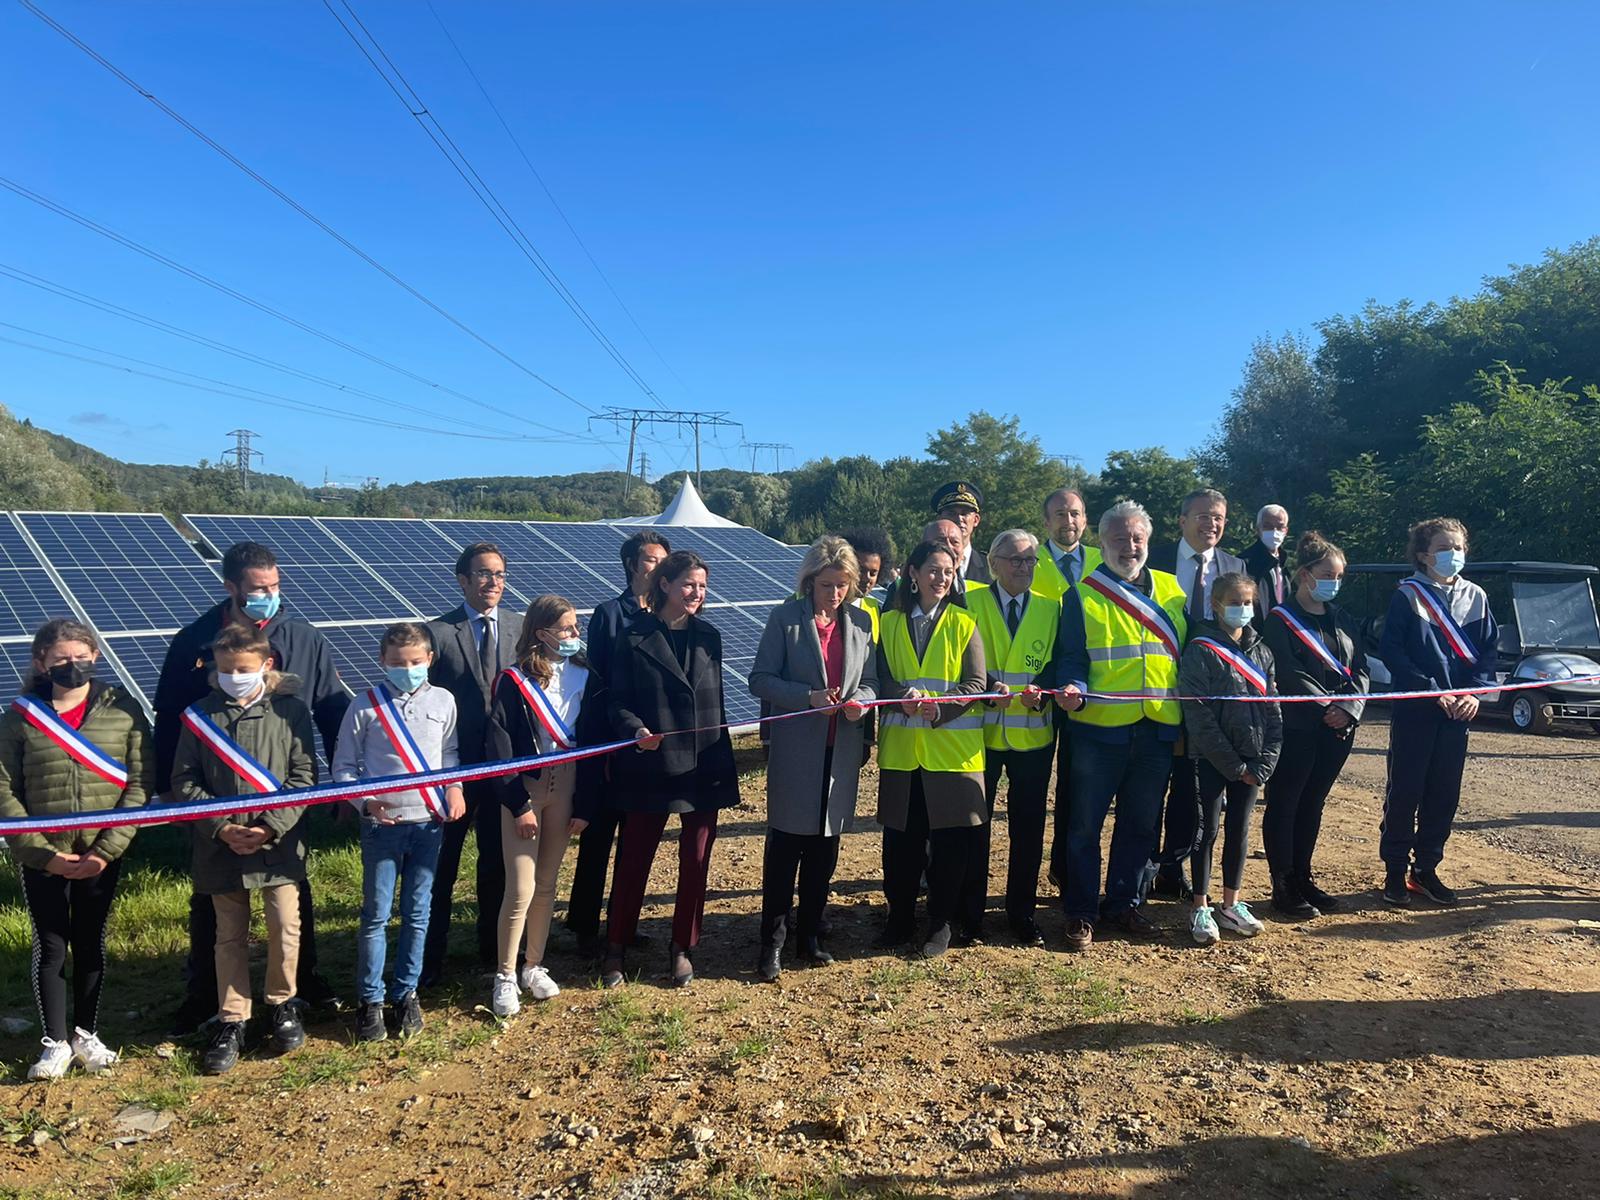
(874,613)
(907,743)
(1125,656)
(1047,577)
(1015,661)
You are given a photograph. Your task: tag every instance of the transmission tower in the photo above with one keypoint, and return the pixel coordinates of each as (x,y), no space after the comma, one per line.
(777,449)
(683,419)
(242,455)
(644,468)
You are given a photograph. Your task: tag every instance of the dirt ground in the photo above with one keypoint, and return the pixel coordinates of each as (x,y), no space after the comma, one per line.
(1372,1053)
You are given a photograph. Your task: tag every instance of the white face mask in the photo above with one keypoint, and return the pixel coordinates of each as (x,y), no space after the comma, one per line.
(241,685)
(1272,539)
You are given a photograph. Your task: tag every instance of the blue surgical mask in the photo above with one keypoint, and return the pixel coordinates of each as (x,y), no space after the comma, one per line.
(1449,563)
(407,679)
(262,608)
(567,647)
(1325,589)
(1237,616)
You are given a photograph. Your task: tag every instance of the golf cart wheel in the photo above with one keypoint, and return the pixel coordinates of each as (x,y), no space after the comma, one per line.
(1530,712)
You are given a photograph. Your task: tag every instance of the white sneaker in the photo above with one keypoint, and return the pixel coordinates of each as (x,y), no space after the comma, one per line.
(503,1000)
(1203,928)
(537,983)
(53,1063)
(90,1053)
(1237,918)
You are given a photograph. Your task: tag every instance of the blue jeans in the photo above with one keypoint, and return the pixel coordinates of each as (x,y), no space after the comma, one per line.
(410,852)
(1134,773)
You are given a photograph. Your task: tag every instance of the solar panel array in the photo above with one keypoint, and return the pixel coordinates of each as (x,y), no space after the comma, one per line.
(137,580)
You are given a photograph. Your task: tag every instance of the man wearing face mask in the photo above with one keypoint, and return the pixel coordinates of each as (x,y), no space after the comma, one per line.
(1268,562)
(250,576)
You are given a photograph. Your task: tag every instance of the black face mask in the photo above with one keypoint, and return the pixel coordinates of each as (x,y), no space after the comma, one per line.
(72,674)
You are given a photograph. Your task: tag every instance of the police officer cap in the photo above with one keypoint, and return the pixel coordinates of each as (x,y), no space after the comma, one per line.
(958,492)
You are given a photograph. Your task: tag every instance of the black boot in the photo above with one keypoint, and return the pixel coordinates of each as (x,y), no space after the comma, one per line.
(769,965)
(1315,895)
(1288,900)
(813,953)
(1394,888)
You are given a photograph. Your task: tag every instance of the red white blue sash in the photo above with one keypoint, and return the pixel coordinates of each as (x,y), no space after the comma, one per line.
(235,756)
(406,748)
(1312,642)
(72,743)
(1438,614)
(544,710)
(1138,606)
(1252,674)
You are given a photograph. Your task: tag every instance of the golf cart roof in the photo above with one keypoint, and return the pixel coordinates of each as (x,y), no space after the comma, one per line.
(1486,568)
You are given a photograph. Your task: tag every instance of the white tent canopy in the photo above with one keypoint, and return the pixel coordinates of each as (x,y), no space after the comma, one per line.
(686,509)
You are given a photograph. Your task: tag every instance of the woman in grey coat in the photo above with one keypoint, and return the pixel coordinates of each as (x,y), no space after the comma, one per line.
(816,653)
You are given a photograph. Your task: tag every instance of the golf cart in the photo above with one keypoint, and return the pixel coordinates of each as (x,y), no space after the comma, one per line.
(1548,631)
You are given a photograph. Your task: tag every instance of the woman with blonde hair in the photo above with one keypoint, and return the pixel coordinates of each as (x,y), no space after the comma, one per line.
(816,654)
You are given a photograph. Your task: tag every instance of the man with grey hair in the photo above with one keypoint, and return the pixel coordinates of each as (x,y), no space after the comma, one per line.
(1122,633)
(1018,625)
(1267,560)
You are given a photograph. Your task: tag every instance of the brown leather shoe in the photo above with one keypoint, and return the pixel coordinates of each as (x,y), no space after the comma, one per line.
(1133,923)
(1080,935)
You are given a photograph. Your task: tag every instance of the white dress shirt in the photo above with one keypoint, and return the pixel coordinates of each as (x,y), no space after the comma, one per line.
(1075,554)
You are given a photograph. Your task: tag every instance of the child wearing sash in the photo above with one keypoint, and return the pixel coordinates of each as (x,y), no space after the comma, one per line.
(403,726)
(1233,746)
(71,744)
(543,704)
(1439,635)
(249,736)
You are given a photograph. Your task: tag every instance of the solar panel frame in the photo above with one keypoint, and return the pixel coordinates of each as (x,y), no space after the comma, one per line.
(28,595)
(411,555)
(141,656)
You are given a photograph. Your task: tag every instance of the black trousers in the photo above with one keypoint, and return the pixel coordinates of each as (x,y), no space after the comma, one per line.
(588,898)
(1181,822)
(69,914)
(1427,753)
(483,816)
(1058,827)
(1307,768)
(946,855)
(813,856)
(200,969)
(1236,836)
(1026,797)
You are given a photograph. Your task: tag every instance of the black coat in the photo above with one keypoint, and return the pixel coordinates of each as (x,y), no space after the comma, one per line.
(512,734)
(456,669)
(605,628)
(649,689)
(1302,673)
(1263,565)
(298,649)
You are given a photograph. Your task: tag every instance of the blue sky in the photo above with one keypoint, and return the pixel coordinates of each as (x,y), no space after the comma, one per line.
(846,224)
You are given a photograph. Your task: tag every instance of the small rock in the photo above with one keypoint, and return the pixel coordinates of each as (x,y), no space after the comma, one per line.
(532,1093)
(140,1118)
(166,1050)
(702,1135)
(1303,1143)
(994,1139)
(37,1138)
(771,1112)
(14,1025)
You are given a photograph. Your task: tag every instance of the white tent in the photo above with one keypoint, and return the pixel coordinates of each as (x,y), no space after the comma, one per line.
(686,509)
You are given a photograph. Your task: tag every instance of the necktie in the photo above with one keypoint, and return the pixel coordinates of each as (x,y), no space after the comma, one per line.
(1013,617)
(1197,592)
(1068,566)
(487,647)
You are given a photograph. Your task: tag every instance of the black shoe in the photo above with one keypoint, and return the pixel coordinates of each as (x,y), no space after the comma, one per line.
(682,966)
(1288,899)
(369,1024)
(1428,884)
(937,942)
(1394,888)
(1173,885)
(892,938)
(223,1052)
(1133,923)
(317,992)
(410,1015)
(431,977)
(1026,933)
(611,970)
(967,938)
(1316,896)
(288,1035)
(194,1012)
(769,964)
(813,954)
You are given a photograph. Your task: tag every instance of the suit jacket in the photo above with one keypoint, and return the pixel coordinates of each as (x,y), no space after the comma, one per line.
(788,667)
(977,568)
(1270,573)
(456,669)
(1165,558)
(606,624)
(649,689)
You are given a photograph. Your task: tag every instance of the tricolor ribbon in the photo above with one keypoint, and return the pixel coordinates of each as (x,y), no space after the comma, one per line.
(544,709)
(235,756)
(1438,614)
(72,743)
(1313,643)
(1138,606)
(1253,675)
(406,748)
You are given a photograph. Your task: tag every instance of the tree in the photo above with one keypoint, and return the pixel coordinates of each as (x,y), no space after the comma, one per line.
(31,476)
(1151,476)
(1359,512)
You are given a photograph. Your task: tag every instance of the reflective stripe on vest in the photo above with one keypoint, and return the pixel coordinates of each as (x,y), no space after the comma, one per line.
(907,743)
(1124,656)
(1020,660)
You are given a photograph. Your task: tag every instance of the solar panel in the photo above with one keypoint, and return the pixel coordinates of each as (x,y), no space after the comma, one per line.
(28,596)
(741,630)
(16,665)
(534,564)
(322,581)
(412,557)
(141,656)
(727,578)
(355,651)
(128,570)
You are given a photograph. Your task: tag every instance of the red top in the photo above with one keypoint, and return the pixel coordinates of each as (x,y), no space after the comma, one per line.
(74,716)
(832,663)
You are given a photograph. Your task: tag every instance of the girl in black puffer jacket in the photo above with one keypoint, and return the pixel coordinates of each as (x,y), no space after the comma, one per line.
(1234,744)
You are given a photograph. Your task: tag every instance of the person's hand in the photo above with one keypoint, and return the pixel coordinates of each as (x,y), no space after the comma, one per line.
(576,826)
(244,839)
(824,698)
(64,865)
(528,825)
(909,704)
(1466,708)
(928,710)
(381,810)
(1249,777)
(1336,718)
(1448,703)
(1032,697)
(455,804)
(853,710)
(90,865)
(647,740)
(1069,698)
(1002,695)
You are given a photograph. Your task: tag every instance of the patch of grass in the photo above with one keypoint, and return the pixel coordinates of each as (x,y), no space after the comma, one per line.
(642,1038)
(24,1125)
(152,1182)
(895,978)
(341,1065)
(205,1118)
(830,1187)
(750,1049)
(10,1192)
(1193,1016)
(174,1082)
(671,1029)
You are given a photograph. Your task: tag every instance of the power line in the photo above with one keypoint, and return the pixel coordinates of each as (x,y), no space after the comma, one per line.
(777,449)
(681,418)
(480,188)
(294,204)
(549,195)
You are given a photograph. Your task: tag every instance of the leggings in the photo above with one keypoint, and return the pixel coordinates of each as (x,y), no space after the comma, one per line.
(68,913)
(1310,763)
(531,866)
(1236,842)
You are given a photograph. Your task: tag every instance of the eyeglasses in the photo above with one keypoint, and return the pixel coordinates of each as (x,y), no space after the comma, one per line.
(1020,561)
(489,576)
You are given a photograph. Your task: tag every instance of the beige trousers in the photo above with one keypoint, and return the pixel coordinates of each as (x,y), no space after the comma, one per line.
(282,903)
(532,865)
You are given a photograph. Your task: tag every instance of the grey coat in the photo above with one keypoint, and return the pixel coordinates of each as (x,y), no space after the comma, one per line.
(788,667)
